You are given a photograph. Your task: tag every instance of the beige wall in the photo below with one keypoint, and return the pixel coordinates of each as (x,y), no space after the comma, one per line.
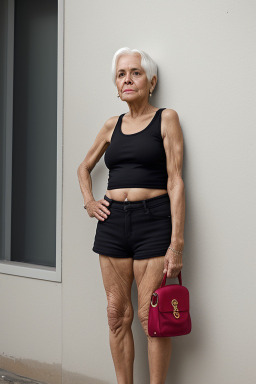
(206,73)
(31,332)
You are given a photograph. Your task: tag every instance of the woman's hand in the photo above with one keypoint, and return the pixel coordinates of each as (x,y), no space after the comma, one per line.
(98,209)
(172,263)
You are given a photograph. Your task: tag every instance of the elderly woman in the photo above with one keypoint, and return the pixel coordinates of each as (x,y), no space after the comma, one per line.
(140,228)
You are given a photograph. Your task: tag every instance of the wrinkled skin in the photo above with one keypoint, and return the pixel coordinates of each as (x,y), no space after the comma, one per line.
(118,275)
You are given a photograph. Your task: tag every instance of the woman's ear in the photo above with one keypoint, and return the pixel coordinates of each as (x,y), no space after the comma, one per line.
(153,82)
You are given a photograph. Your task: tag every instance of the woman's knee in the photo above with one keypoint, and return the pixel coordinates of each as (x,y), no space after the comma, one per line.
(120,314)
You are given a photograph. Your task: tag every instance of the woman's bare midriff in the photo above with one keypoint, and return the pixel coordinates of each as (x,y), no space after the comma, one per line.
(133,194)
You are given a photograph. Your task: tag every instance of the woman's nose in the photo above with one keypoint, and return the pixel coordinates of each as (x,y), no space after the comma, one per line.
(128,78)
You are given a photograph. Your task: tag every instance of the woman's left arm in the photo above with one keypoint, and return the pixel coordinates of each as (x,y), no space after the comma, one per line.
(173,144)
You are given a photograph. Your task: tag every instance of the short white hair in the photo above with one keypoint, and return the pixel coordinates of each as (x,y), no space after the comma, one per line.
(147,62)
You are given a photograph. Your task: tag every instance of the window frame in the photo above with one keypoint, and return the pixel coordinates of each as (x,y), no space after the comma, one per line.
(21,268)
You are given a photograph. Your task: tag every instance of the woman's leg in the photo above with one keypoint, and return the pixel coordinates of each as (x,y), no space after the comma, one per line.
(117,274)
(148,275)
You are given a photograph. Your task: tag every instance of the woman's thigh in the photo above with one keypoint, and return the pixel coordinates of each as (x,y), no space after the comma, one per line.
(148,275)
(117,275)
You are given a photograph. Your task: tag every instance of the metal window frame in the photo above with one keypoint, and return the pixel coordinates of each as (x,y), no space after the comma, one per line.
(20,268)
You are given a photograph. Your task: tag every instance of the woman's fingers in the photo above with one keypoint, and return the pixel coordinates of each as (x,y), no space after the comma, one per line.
(105,202)
(100,211)
(98,216)
(103,207)
(172,264)
(165,265)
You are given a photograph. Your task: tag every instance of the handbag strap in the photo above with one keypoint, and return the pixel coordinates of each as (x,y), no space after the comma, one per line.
(164,279)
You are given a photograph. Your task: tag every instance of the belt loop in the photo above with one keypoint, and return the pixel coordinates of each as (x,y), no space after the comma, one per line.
(145,206)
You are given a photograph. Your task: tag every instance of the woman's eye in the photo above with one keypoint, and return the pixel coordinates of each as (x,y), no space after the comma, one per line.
(135,72)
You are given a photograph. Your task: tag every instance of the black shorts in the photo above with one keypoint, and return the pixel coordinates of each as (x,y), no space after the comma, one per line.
(139,229)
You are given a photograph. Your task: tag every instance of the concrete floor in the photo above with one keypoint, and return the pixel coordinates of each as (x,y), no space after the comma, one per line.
(9,377)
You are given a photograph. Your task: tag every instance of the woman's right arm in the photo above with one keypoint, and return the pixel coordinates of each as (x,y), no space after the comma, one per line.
(92,157)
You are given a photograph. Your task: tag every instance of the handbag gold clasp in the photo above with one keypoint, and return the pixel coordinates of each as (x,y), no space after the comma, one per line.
(154,294)
(176,313)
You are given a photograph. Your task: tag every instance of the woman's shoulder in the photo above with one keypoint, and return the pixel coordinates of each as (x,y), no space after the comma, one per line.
(169,114)
(111,121)
(109,126)
(170,123)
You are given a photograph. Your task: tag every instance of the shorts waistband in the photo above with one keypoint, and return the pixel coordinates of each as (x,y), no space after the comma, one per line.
(153,201)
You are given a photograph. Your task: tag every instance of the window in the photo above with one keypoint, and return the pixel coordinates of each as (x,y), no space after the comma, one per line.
(31,137)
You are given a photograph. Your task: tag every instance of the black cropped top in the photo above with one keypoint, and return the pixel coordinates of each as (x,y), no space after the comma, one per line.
(137,160)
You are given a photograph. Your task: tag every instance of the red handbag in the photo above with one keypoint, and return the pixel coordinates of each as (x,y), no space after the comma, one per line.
(169,310)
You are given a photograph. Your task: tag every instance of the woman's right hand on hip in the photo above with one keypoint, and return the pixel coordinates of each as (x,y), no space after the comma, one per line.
(98,209)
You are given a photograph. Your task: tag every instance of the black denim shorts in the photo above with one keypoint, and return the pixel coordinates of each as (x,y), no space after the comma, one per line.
(139,229)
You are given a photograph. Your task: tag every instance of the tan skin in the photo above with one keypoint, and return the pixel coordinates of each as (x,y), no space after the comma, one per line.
(118,273)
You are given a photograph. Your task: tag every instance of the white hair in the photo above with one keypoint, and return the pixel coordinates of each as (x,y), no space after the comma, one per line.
(147,62)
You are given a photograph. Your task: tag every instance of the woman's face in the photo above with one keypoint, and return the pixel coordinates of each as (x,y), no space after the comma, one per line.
(131,76)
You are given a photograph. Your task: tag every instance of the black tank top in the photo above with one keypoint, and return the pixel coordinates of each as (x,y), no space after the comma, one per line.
(137,160)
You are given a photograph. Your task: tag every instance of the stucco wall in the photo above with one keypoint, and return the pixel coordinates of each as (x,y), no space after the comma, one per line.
(206,61)
(207,74)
